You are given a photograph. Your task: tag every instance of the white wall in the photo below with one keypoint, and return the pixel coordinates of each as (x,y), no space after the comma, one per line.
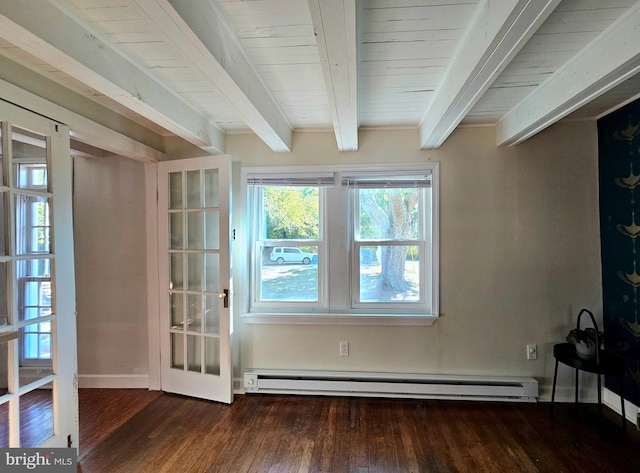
(110,246)
(519,256)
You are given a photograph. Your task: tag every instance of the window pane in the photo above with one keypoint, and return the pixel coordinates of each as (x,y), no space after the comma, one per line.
(389,273)
(291,213)
(389,214)
(291,274)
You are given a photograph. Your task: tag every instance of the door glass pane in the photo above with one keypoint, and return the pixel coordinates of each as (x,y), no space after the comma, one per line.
(211,315)
(176,283)
(33,227)
(31,175)
(36,416)
(4,389)
(4,301)
(4,377)
(34,288)
(177,311)
(4,214)
(4,425)
(36,341)
(212,230)
(194,200)
(29,159)
(175,231)
(211,189)
(35,352)
(212,272)
(212,355)
(194,231)
(194,272)
(2,181)
(194,312)
(175,190)
(194,350)
(177,351)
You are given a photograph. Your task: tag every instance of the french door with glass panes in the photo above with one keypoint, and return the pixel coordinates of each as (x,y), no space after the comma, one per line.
(194,276)
(38,392)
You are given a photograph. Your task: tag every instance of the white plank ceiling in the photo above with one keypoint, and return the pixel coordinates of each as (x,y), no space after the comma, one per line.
(199,69)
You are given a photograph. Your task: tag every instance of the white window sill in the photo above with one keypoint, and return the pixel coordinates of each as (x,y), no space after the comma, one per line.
(339,319)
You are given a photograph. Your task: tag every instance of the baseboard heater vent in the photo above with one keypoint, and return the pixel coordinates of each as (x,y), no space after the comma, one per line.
(396,385)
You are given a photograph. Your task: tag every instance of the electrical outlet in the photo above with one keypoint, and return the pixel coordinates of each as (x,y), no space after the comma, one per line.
(532,352)
(344,348)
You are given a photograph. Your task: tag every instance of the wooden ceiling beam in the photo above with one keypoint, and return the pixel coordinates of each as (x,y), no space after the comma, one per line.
(496,32)
(200,30)
(82,129)
(54,35)
(611,58)
(334,24)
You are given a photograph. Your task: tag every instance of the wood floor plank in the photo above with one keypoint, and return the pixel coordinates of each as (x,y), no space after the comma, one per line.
(300,434)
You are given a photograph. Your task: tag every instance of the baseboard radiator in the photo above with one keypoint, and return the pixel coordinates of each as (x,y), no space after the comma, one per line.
(393,385)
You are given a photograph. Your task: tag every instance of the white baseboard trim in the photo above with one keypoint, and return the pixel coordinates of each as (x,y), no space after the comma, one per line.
(114,381)
(612,400)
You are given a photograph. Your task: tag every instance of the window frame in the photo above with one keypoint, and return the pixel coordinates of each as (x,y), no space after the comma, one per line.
(268,307)
(352,313)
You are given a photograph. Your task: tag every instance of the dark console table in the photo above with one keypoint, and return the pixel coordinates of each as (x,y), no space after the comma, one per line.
(606,363)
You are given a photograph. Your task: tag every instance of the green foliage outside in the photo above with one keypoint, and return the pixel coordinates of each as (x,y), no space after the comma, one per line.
(292,213)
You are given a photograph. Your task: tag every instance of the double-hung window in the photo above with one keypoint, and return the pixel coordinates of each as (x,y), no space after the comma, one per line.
(344,244)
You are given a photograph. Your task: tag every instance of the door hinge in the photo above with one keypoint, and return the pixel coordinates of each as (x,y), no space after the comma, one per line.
(69,442)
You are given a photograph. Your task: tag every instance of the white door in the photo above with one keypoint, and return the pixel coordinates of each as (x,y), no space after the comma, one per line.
(195,283)
(38,390)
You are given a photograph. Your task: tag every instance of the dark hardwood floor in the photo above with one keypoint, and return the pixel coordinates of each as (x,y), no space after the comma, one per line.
(139,431)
